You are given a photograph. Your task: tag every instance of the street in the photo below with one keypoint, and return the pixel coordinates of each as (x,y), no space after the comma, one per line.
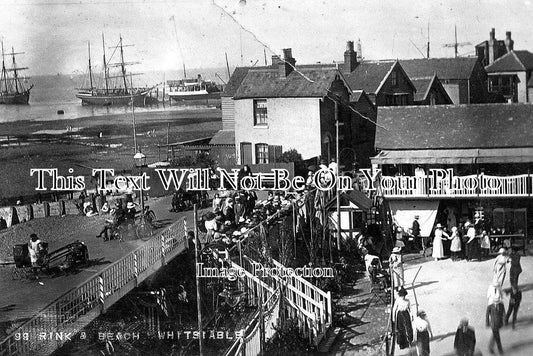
(449,290)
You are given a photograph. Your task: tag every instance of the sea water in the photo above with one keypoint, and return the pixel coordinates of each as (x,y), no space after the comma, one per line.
(52,93)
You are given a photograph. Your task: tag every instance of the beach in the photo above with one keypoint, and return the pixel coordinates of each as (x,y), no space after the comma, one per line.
(104,141)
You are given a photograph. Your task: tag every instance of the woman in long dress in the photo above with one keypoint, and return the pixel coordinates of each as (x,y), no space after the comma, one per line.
(438,248)
(500,267)
(396,264)
(401,316)
(422,333)
(455,246)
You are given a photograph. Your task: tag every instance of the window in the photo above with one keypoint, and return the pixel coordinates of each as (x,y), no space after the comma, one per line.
(432,99)
(261,153)
(394,78)
(396,100)
(260,112)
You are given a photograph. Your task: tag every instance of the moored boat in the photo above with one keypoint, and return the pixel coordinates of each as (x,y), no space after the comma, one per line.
(115,90)
(193,89)
(12,88)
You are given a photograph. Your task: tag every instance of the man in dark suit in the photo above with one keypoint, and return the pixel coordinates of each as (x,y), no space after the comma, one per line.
(495,320)
(514,303)
(415,231)
(465,339)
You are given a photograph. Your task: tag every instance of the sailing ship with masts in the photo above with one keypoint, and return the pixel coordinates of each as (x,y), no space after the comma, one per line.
(116,89)
(12,88)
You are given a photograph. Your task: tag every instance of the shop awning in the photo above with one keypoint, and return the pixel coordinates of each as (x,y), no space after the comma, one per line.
(456,156)
(404,212)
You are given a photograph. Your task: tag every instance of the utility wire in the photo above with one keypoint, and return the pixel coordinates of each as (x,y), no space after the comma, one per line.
(334,96)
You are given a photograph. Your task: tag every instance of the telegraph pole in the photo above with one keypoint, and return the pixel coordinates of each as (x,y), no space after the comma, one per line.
(198,300)
(337,174)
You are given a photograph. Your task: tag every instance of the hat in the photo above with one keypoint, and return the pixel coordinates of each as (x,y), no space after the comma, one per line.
(417,216)
(439,226)
(130,205)
(402,292)
(501,251)
(396,250)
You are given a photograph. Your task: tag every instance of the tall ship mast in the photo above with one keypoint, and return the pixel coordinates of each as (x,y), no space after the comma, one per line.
(12,88)
(113,89)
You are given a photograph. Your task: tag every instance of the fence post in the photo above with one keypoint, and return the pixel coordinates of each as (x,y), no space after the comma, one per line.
(328,299)
(135,268)
(101,293)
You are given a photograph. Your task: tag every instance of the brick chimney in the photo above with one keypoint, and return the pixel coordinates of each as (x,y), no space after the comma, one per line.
(492,46)
(350,58)
(286,66)
(509,43)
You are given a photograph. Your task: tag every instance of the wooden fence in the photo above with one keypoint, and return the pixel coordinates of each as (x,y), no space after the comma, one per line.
(72,311)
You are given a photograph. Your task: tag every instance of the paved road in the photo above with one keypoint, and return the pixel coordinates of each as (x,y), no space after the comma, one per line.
(26,297)
(449,290)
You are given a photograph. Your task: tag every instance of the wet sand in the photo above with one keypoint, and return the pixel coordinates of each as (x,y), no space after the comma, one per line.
(101,141)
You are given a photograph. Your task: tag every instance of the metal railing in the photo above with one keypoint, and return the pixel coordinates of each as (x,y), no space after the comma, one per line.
(474,185)
(60,320)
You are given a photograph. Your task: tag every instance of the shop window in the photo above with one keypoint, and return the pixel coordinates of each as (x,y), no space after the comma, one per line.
(260,112)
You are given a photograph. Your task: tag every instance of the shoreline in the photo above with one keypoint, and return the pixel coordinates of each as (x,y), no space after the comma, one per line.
(102,142)
(27,127)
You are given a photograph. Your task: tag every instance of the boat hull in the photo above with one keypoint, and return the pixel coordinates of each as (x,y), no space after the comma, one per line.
(15,99)
(139,99)
(180,96)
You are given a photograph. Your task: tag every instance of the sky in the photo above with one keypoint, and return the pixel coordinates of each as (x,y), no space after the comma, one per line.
(53,34)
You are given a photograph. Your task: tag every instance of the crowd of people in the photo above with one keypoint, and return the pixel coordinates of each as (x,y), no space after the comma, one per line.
(418,331)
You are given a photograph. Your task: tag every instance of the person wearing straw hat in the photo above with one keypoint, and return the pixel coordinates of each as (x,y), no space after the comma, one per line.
(396,265)
(499,269)
(438,248)
(422,333)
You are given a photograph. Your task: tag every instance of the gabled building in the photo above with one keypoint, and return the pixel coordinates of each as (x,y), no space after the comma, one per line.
(429,91)
(286,107)
(492,49)
(385,82)
(464,79)
(510,75)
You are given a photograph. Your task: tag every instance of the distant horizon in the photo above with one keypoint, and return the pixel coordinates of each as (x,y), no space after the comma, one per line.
(200,33)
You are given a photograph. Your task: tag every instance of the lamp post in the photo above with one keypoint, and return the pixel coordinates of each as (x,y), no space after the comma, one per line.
(140,162)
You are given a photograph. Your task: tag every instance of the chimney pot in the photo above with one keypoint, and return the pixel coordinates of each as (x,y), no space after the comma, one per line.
(349,46)
(286,66)
(287,53)
(350,58)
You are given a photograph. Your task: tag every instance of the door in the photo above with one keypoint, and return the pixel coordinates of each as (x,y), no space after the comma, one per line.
(246,153)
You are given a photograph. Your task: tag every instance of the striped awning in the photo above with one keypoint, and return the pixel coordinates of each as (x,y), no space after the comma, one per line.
(455,156)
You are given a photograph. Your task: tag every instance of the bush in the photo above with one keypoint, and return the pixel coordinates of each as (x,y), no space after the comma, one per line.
(291,156)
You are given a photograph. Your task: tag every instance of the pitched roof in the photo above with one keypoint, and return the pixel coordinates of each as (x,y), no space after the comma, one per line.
(514,61)
(423,86)
(445,68)
(223,137)
(459,126)
(369,75)
(306,81)
(235,81)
